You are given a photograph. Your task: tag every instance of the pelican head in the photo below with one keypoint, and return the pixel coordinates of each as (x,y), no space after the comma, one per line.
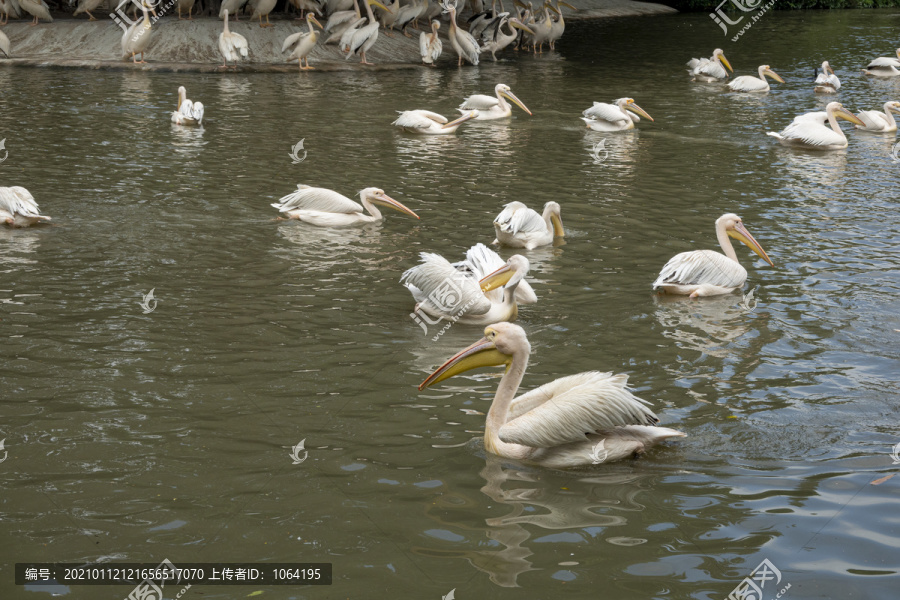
(182,95)
(717,53)
(503,90)
(893,106)
(515,269)
(378,4)
(311,20)
(837,109)
(555,218)
(826,68)
(435,25)
(377,196)
(500,343)
(767,70)
(514,22)
(734,227)
(628,104)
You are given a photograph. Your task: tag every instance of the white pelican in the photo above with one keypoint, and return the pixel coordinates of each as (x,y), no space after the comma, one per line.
(407,14)
(749,83)
(614,117)
(429,123)
(186,5)
(86,6)
(430,46)
(263,7)
(706,272)
(558,27)
(36,8)
(496,39)
(137,37)
(518,226)
(4,44)
(826,81)
(305,40)
(884,66)
(481,20)
(542,30)
(327,208)
(809,130)
(7,7)
(232,7)
(389,16)
(364,37)
(342,20)
(307,5)
(443,290)
(463,42)
(233,46)
(881,122)
(492,107)
(334,6)
(18,208)
(188,113)
(575,421)
(710,70)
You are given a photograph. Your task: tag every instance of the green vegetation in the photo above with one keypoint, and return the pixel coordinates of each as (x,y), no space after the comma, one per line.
(709,5)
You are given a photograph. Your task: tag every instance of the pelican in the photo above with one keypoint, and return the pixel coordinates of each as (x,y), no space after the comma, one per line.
(334,6)
(614,117)
(430,45)
(406,15)
(480,21)
(463,42)
(364,37)
(542,30)
(6,7)
(884,66)
(809,130)
(327,208)
(86,6)
(463,293)
(518,226)
(706,272)
(575,421)
(186,5)
(826,81)
(305,40)
(263,7)
(881,122)
(495,39)
(188,113)
(389,16)
(231,7)
(558,27)
(36,8)
(4,44)
(429,123)
(137,37)
(495,107)
(749,83)
(710,70)
(233,46)
(307,5)
(18,208)
(343,20)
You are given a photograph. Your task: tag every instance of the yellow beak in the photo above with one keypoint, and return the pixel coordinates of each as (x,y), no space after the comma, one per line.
(512,97)
(566,4)
(741,234)
(379,5)
(462,119)
(557,224)
(635,108)
(725,62)
(497,279)
(313,19)
(519,25)
(391,203)
(773,75)
(482,353)
(845,114)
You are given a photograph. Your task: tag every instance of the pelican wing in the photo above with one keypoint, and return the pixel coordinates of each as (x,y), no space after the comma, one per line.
(320,199)
(873,119)
(566,410)
(811,130)
(482,261)
(605,112)
(440,288)
(479,102)
(192,110)
(701,267)
(708,67)
(338,18)
(830,79)
(884,61)
(16,200)
(293,39)
(418,119)
(516,217)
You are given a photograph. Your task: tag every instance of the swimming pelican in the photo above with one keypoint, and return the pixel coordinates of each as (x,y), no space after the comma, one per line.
(614,117)
(463,42)
(137,37)
(430,45)
(749,83)
(86,6)
(706,272)
(188,113)
(232,7)
(881,122)
(4,44)
(327,208)
(186,5)
(575,421)
(263,7)
(305,40)
(710,70)
(463,293)
(884,66)
(518,226)
(37,8)
(429,123)
(496,39)
(364,37)
(233,46)
(809,130)
(492,107)
(826,81)
(18,208)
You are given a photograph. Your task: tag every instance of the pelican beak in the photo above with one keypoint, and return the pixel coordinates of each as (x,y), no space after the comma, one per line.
(567,5)
(379,5)
(553,8)
(725,62)
(773,75)
(512,97)
(482,353)
(466,117)
(520,25)
(845,114)
(386,200)
(313,19)
(497,279)
(637,109)
(556,220)
(741,234)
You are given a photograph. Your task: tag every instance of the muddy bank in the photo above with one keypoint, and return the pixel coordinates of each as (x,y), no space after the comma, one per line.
(192,45)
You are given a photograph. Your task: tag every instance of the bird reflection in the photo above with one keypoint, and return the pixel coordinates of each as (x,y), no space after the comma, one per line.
(323,248)
(709,326)
(430,81)
(612,151)
(813,171)
(14,244)
(135,87)
(188,141)
(232,92)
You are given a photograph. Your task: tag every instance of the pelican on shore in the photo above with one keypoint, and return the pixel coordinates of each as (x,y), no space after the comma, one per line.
(880,122)
(186,6)
(18,208)
(4,44)
(137,37)
(558,26)
(36,8)
(809,130)
(343,22)
(492,107)
(468,292)
(576,421)
(233,46)
(364,38)
(710,70)
(327,208)
(884,66)
(496,39)
(430,46)
(463,42)
(707,272)
(518,226)
(429,123)
(305,42)
(188,113)
(86,6)
(263,7)
(749,83)
(826,81)
(7,7)
(614,117)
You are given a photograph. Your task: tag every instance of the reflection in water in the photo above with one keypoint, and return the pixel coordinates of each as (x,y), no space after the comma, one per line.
(618,153)
(708,326)
(188,141)
(812,172)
